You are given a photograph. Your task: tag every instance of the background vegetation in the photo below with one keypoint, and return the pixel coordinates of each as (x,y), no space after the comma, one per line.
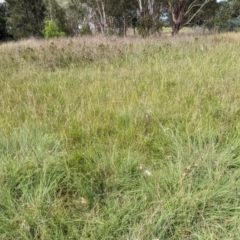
(21,19)
(105,138)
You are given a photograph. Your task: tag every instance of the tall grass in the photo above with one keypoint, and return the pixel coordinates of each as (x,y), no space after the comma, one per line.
(120,138)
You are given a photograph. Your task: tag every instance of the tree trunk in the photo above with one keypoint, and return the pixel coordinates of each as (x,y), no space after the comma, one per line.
(177,13)
(140,6)
(180,9)
(151,6)
(176,28)
(104,18)
(124,26)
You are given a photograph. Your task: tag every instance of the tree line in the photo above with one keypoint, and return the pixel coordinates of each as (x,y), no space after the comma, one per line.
(49,18)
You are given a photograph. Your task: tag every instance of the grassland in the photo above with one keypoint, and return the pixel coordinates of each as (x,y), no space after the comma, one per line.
(132,139)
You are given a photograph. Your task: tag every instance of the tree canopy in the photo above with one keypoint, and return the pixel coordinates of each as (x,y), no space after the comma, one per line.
(25,18)
(3,20)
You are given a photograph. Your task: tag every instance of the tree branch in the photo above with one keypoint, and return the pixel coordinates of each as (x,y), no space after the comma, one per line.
(196,12)
(193,4)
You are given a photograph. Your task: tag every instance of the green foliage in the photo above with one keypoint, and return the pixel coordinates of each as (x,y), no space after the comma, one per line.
(144,25)
(52,30)
(223,16)
(75,12)
(25,18)
(4,35)
(157,26)
(147,25)
(227,16)
(111,32)
(235,23)
(56,13)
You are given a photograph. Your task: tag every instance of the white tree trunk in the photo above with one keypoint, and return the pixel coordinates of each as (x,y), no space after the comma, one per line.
(150,6)
(140,6)
(104,18)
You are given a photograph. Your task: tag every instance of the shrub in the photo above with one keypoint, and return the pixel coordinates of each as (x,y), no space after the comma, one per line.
(235,23)
(147,25)
(157,26)
(111,32)
(52,30)
(144,25)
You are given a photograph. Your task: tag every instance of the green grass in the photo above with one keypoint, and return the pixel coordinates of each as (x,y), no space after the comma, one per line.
(120,138)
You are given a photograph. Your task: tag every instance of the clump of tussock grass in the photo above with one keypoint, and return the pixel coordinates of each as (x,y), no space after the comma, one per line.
(139,143)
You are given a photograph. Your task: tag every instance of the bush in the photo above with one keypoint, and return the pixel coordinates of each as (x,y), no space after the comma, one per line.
(144,25)
(235,23)
(147,25)
(157,26)
(52,30)
(111,32)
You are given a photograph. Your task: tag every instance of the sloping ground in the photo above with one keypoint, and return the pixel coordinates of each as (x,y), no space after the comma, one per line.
(120,138)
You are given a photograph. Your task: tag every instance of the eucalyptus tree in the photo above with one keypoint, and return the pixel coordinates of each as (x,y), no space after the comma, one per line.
(96,13)
(25,17)
(235,16)
(3,20)
(121,14)
(93,11)
(150,14)
(228,16)
(235,7)
(56,13)
(76,13)
(183,12)
(104,14)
